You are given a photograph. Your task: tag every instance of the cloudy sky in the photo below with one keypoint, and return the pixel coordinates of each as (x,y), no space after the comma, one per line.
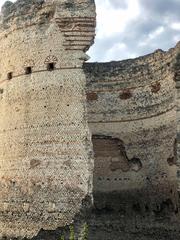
(129,28)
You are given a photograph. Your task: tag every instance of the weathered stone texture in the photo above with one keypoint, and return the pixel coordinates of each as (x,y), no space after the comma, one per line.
(132,116)
(45,149)
(47,175)
(177,79)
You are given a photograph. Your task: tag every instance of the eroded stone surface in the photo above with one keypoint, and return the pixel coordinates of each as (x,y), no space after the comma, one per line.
(45,150)
(47,176)
(132,116)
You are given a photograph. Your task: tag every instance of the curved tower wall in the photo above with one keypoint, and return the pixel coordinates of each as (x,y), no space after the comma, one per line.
(177,79)
(132,116)
(45,149)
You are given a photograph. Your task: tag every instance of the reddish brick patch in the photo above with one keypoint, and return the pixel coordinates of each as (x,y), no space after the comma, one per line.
(92,96)
(155,88)
(126,94)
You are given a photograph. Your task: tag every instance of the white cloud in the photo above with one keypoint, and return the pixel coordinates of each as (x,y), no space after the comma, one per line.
(1,2)
(144,26)
(156,33)
(111,20)
(176,38)
(176,26)
(119,47)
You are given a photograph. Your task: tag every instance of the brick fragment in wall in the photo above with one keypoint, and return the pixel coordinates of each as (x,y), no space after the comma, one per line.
(125,94)
(156,87)
(92,96)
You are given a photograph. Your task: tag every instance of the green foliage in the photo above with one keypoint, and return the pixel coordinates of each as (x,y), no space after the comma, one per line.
(85,232)
(83,235)
(72,234)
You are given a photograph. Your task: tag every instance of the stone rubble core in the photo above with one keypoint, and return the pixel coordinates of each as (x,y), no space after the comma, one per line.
(52,102)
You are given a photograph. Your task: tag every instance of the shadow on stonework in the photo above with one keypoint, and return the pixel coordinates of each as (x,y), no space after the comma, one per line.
(113,219)
(78,225)
(116,223)
(121,214)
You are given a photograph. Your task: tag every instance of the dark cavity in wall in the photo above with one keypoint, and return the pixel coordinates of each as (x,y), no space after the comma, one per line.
(113,151)
(172,160)
(126,94)
(9,75)
(50,66)
(111,163)
(28,70)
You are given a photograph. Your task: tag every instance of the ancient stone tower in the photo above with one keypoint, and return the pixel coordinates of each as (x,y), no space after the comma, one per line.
(45,157)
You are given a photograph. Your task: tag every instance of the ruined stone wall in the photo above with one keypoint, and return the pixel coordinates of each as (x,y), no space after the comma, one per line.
(45,149)
(132,116)
(46,167)
(177,79)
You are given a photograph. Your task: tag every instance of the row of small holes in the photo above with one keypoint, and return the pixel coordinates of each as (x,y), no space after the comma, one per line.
(28,70)
(126,179)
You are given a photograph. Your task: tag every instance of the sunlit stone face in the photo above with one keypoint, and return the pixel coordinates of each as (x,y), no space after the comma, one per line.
(45,161)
